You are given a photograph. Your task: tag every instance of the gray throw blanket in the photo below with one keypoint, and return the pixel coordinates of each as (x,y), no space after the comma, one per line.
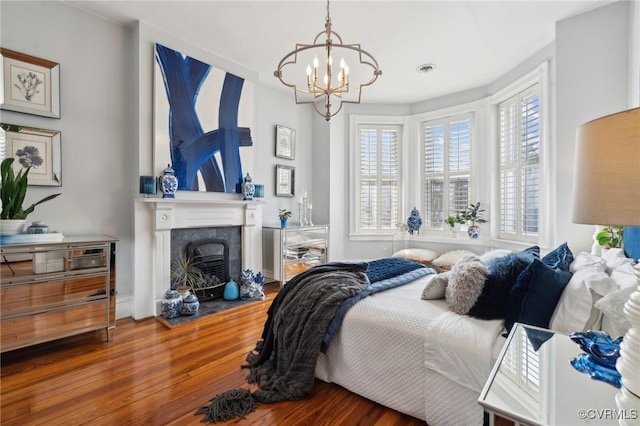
(284,361)
(284,365)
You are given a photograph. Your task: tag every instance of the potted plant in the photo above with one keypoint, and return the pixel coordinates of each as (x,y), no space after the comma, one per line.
(283,215)
(12,193)
(185,276)
(472,215)
(454,223)
(610,237)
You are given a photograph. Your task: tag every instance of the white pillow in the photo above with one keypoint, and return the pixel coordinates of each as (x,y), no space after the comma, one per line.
(584,260)
(493,254)
(436,287)
(575,309)
(417,255)
(448,259)
(615,258)
(612,306)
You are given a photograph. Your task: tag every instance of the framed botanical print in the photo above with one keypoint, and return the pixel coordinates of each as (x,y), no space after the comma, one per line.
(36,148)
(285,142)
(30,85)
(285,181)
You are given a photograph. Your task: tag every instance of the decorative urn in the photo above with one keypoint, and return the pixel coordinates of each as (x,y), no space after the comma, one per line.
(171,304)
(169,183)
(414,221)
(248,188)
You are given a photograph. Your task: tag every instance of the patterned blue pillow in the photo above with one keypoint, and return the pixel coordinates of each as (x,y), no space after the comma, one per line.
(561,257)
(502,275)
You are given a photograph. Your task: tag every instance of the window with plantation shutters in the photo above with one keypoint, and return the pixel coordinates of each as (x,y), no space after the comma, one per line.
(378,178)
(520,140)
(447,168)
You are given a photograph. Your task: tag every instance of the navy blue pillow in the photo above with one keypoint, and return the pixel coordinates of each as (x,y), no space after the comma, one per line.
(534,296)
(560,258)
(502,275)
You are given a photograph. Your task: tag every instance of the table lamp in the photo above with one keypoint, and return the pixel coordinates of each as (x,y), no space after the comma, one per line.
(607,192)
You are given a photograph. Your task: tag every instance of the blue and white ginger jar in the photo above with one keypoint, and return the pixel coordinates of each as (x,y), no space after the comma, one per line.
(248,188)
(169,183)
(171,304)
(414,221)
(190,305)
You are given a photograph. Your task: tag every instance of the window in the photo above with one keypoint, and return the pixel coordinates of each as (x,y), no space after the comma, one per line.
(447,168)
(519,129)
(378,178)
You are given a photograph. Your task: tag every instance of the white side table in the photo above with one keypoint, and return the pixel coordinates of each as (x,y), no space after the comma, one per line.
(533,383)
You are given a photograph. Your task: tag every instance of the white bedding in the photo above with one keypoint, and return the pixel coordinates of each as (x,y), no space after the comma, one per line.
(385,351)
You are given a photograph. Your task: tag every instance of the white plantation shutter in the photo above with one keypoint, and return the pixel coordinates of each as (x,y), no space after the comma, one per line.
(447,168)
(378,178)
(520,140)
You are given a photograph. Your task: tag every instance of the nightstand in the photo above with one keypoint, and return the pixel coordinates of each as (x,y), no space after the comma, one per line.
(533,383)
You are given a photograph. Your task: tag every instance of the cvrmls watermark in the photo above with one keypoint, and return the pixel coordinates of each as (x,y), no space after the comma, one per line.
(607,414)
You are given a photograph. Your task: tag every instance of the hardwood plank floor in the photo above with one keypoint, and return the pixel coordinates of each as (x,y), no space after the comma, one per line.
(153,375)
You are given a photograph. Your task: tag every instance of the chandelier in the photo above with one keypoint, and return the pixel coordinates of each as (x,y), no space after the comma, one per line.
(333,89)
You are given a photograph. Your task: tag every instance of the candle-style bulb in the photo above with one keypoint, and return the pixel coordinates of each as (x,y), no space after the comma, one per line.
(308,70)
(342,63)
(315,62)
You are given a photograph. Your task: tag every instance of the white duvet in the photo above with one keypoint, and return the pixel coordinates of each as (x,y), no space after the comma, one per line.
(414,356)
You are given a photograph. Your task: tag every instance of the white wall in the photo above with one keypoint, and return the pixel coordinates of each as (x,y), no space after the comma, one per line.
(96,121)
(592,66)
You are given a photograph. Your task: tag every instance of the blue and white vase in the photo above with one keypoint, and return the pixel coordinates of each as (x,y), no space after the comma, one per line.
(171,304)
(169,183)
(190,305)
(248,188)
(473,231)
(414,221)
(38,227)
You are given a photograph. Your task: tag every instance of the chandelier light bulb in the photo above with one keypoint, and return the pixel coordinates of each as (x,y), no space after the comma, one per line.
(326,79)
(308,70)
(346,70)
(342,63)
(315,62)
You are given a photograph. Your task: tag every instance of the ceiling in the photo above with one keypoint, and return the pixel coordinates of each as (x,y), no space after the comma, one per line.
(472,43)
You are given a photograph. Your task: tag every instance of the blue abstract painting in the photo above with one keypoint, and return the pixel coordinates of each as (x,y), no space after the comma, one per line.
(202,119)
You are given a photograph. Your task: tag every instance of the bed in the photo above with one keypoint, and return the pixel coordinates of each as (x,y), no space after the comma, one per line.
(420,358)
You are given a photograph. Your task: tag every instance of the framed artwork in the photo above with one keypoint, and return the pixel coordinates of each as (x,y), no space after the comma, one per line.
(30,85)
(285,181)
(36,148)
(203,130)
(285,142)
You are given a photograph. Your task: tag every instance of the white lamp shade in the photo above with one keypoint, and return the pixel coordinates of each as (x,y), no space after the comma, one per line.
(607,172)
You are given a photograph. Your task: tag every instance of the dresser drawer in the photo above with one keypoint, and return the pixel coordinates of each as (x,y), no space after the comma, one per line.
(21,299)
(27,330)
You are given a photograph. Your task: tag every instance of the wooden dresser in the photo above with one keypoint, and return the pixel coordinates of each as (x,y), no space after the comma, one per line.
(50,290)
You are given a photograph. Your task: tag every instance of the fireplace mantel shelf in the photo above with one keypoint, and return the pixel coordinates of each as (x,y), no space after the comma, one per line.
(216,201)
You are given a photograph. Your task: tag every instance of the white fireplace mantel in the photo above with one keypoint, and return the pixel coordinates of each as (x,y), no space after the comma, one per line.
(174,213)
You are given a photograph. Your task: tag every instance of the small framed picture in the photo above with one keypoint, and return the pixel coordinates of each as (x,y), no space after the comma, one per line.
(31,85)
(285,181)
(285,142)
(36,148)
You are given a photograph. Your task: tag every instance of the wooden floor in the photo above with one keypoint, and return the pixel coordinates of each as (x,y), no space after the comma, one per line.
(153,375)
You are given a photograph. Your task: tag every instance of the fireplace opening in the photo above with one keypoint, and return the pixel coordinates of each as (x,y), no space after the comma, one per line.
(216,251)
(211,256)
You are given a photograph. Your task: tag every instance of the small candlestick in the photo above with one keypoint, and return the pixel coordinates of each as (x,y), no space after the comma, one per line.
(300,212)
(310,208)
